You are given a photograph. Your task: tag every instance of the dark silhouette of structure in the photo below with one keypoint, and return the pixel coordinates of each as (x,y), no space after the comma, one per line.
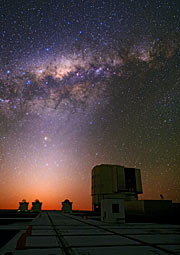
(36,206)
(67,206)
(23,206)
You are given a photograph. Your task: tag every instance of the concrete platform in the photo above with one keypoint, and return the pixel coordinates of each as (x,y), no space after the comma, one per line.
(41,227)
(83,232)
(173,248)
(96,241)
(51,251)
(158,238)
(40,232)
(124,250)
(85,226)
(56,233)
(144,231)
(42,242)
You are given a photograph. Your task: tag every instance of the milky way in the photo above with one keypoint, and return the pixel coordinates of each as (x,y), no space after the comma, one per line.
(85,83)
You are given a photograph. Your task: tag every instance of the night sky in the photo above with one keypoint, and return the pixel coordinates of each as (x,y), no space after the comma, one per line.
(87,82)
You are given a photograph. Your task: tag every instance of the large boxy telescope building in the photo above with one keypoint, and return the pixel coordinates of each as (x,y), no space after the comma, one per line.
(114,182)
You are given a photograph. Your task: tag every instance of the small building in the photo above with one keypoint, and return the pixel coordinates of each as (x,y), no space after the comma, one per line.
(23,206)
(36,206)
(112,210)
(115,182)
(67,206)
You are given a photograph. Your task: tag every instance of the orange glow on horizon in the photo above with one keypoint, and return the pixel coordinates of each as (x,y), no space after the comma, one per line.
(48,202)
(50,189)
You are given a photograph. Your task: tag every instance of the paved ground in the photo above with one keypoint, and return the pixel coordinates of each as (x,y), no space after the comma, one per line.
(55,233)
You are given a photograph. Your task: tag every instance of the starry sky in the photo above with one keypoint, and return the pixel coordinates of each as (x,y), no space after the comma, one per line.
(87,82)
